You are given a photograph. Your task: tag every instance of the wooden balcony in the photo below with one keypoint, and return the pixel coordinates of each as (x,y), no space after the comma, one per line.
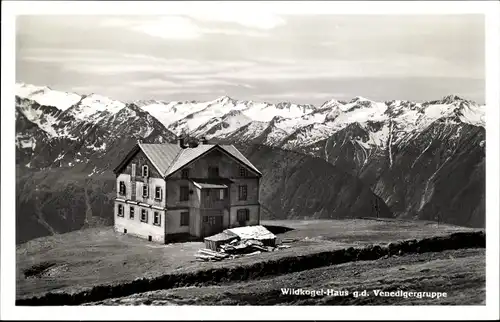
(211,199)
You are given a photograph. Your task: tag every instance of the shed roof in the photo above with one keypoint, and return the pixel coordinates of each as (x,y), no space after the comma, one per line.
(226,236)
(257,232)
(203,185)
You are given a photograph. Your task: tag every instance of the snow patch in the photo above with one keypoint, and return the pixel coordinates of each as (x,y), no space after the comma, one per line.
(44,121)
(46,96)
(433,112)
(96,148)
(92,173)
(363,144)
(95,107)
(474,115)
(168,113)
(228,125)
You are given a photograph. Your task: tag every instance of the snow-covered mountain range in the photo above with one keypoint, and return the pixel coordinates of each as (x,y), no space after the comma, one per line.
(424,160)
(78,128)
(285,124)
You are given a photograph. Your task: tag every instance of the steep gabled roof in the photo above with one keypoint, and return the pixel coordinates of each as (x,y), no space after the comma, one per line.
(161,155)
(187,155)
(168,158)
(237,154)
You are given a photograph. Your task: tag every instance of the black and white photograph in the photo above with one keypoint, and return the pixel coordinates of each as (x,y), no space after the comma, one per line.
(316,156)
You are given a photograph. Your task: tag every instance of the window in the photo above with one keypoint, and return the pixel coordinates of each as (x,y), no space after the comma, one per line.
(242,192)
(184,193)
(144,215)
(132,212)
(120,210)
(158,193)
(145,171)
(185,173)
(243,172)
(243,215)
(122,188)
(210,220)
(221,194)
(145,191)
(213,172)
(185,218)
(157,219)
(133,169)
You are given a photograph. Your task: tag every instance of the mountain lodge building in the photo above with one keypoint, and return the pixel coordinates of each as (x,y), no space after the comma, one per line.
(171,191)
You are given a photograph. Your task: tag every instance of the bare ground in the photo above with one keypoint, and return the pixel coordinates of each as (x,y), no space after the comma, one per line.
(81,259)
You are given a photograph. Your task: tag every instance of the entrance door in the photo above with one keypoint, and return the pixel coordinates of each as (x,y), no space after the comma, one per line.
(212,224)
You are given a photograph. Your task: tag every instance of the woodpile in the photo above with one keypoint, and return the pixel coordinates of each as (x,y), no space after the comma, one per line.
(236,242)
(210,255)
(234,249)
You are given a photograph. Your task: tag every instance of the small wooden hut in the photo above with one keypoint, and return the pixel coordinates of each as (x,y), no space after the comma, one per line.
(257,232)
(214,242)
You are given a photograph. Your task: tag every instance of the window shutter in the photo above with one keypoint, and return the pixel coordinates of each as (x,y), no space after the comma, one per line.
(158,193)
(123,189)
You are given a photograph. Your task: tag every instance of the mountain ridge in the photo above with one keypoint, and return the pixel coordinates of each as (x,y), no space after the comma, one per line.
(416,158)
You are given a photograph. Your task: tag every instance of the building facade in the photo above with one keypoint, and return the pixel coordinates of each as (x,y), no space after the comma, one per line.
(172,191)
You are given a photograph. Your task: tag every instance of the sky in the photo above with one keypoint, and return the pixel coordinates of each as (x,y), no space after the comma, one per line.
(257,56)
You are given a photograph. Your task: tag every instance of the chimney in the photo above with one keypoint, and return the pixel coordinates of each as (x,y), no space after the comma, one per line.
(204,140)
(182,142)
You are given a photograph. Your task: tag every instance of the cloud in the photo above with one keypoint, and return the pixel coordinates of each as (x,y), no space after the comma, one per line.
(158,83)
(108,63)
(193,93)
(155,83)
(310,95)
(152,71)
(250,18)
(216,82)
(395,65)
(127,56)
(194,26)
(170,28)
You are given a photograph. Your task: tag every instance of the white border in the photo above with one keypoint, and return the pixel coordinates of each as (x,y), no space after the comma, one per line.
(7,295)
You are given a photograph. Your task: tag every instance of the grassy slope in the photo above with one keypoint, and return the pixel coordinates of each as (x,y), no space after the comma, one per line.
(99,256)
(459,273)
